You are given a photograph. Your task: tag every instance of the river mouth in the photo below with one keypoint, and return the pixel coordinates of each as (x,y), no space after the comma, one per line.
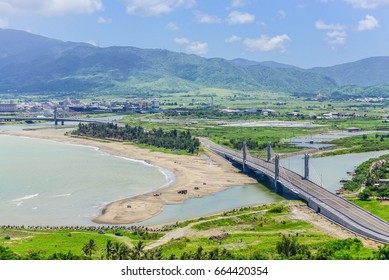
(50,183)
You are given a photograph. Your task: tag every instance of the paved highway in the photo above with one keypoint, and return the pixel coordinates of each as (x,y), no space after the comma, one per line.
(323,201)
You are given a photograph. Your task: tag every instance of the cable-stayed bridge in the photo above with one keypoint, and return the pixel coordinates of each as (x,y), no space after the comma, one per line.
(324,202)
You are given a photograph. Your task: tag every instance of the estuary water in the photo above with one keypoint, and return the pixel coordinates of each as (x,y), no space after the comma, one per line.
(328,171)
(43,182)
(48,183)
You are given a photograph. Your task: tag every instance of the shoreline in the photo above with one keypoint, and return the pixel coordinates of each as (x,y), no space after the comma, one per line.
(193,174)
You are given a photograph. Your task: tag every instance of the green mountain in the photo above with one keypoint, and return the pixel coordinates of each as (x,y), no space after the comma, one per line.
(271,64)
(32,63)
(366,72)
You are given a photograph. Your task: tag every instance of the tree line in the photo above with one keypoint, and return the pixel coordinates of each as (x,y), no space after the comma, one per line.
(288,248)
(173,139)
(369,173)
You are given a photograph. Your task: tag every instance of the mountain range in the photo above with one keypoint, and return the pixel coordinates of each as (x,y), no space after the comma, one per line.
(33,63)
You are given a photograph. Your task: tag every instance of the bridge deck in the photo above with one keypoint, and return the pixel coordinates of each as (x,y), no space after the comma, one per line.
(328,204)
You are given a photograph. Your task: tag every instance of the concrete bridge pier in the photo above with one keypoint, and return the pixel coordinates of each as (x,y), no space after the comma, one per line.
(278,188)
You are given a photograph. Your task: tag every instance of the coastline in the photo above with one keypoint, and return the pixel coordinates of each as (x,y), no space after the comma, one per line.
(193,174)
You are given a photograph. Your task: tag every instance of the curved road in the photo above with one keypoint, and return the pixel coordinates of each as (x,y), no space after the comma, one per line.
(328,204)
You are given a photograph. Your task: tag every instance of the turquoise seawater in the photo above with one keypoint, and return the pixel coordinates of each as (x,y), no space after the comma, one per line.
(43,182)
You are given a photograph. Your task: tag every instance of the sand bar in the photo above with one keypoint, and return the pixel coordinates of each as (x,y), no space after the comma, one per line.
(194,174)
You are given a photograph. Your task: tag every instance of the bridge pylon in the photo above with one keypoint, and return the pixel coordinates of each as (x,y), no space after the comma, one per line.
(276,168)
(55,116)
(244,149)
(63,116)
(306,166)
(277,187)
(268,151)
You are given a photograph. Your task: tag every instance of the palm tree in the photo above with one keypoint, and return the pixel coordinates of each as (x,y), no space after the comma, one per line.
(137,252)
(124,252)
(109,250)
(89,248)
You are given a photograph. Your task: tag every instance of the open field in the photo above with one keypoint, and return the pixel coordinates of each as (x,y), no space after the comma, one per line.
(247,233)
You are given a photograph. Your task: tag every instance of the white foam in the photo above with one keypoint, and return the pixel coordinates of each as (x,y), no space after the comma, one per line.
(61,195)
(19,201)
(25,197)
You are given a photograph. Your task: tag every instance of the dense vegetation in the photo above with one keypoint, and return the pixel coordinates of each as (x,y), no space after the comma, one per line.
(368,173)
(173,139)
(31,63)
(359,144)
(260,232)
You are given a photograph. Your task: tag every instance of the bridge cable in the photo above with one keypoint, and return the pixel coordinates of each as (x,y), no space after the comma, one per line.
(318,178)
(282,169)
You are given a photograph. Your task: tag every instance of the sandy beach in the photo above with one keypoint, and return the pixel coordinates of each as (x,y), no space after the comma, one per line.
(194,174)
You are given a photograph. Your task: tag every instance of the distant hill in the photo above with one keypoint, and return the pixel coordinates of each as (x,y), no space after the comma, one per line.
(366,72)
(272,64)
(32,63)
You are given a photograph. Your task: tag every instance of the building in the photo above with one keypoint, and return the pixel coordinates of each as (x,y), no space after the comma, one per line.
(155,104)
(8,108)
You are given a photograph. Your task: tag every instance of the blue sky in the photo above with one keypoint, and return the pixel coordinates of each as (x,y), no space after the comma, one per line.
(304,33)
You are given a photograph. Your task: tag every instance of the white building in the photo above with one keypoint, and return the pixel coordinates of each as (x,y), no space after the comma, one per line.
(8,108)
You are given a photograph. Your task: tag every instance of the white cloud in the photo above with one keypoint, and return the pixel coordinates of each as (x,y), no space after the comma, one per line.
(369,23)
(102,20)
(156,7)
(321,25)
(172,26)
(336,34)
(233,39)
(182,41)
(336,37)
(206,18)
(91,42)
(3,22)
(197,48)
(236,17)
(192,47)
(240,3)
(265,43)
(281,14)
(368,4)
(50,7)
